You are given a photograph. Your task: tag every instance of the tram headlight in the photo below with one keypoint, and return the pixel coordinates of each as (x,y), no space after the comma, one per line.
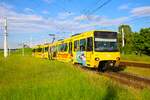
(97,59)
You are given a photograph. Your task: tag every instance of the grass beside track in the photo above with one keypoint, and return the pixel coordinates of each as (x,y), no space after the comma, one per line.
(29,78)
(145,72)
(136,58)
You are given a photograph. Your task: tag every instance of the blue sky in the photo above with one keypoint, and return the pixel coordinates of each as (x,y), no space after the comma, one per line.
(33,20)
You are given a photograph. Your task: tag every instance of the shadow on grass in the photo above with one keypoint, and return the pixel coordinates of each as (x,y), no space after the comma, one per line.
(111,93)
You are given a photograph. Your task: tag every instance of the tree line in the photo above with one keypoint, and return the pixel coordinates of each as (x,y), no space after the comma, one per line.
(135,42)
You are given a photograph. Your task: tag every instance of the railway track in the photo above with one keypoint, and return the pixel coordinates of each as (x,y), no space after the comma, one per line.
(129,79)
(124,78)
(134,64)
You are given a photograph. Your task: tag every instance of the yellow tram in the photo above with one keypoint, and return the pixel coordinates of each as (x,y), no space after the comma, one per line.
(37,51)
(95,49)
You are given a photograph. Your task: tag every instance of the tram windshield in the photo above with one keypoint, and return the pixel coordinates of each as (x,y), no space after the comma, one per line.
(105,41)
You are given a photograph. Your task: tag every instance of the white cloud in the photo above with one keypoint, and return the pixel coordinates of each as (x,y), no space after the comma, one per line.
(28,10)
(45,12)
(31,23)
(101,20)
(65,15)
(80,18)
(141,11)
(27,22)
(113,22)
(63,22)
(124,7)
(89,18)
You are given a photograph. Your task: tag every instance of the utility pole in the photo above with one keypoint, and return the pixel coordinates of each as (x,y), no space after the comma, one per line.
(123,44)
(30,41)
(5,38)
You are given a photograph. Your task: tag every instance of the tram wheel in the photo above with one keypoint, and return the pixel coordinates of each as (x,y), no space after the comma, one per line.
(103,66)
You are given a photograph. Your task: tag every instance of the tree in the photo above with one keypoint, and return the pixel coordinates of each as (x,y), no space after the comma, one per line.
(138,43)
(142,41)
(128,38)
(127,29)
(145,34)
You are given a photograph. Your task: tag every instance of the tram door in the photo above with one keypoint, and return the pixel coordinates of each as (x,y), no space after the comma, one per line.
(89,51)
(70,50)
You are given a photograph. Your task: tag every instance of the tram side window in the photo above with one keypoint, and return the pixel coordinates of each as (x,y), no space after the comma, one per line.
(90,44)
(70,47)
(76,45)
(63,47)
(46,49)
(82,44)
(39,49)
